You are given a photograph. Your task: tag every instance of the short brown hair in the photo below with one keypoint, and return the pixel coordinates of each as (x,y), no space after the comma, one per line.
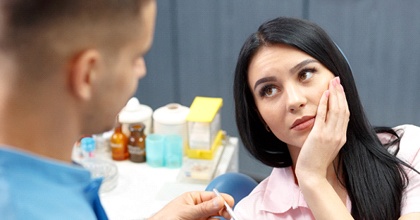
(40,31)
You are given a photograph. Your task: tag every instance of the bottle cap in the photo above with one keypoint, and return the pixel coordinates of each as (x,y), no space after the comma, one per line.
(134,112)
(136,127)
(87,144)
(171,114)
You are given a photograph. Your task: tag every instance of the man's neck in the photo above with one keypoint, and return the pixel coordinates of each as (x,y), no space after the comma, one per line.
(45,129)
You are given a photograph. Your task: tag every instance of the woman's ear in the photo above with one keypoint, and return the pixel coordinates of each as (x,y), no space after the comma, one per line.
(82,73)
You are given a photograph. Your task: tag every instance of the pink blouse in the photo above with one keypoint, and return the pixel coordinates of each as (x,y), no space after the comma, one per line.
(278,196)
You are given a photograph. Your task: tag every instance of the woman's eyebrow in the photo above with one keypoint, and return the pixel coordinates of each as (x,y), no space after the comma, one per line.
(292,70)
(263,80)
(302,64)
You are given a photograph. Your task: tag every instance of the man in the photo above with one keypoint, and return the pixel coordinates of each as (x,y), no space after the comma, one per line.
(67,67)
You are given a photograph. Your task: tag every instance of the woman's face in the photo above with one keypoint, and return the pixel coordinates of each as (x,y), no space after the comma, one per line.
(287,85)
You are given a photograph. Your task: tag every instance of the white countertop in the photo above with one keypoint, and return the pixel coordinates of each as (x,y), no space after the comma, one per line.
(142,190)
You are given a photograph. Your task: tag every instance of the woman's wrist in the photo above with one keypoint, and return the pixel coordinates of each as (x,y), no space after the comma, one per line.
(311,181)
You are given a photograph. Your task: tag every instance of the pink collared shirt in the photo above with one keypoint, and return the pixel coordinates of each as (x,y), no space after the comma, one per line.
(278,196)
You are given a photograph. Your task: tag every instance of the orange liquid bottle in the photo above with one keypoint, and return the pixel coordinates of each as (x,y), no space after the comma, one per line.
(119,144)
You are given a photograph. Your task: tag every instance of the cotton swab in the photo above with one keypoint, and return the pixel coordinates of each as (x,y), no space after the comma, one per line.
(228,208)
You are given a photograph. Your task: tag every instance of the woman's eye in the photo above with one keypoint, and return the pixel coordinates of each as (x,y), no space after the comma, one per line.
(306,74)
(268,91)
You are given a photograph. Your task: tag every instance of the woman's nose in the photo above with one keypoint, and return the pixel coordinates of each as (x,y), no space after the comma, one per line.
(295,99)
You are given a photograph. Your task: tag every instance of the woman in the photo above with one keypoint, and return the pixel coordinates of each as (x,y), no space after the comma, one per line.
(298,110)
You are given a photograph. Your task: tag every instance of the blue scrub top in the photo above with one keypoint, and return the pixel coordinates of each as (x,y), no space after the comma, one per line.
(32,187)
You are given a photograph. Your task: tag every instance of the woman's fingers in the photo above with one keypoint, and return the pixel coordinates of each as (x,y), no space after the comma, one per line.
(321,115)
(345,113)
(333,105)
(338,112)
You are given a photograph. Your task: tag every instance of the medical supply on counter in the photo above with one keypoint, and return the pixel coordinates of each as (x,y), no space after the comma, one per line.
(155,150)
(119,144)
(204,127)
(87,146)
(136,143)
(134,112)
(164,150)
(98,167)
(203,170)
(173,151)
(102,142)
(171,119)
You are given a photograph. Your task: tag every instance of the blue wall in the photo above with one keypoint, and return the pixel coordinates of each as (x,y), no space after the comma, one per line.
(197,42)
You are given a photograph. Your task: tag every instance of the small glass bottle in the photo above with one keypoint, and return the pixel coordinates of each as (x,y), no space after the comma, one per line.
(136,143)
(119,143)
(87,145)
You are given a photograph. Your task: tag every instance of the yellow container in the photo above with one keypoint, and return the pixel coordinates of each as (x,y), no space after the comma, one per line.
(204,127)
(206,154)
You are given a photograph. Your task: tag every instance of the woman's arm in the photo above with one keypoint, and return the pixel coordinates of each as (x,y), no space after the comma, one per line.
(411,216)
(323,200)
(410,153)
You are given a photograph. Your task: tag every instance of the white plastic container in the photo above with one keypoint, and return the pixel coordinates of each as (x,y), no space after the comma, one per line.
(171,119)
(134,112)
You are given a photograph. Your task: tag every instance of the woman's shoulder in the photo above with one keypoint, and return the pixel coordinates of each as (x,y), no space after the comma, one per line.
(410,142)
(279,186)
(249,204)
(256,195)
(408,128)
(410,153)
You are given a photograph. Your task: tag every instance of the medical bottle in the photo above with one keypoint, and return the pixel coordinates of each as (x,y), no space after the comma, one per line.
(119,143)
(136,143)
(87,145)
(134,112)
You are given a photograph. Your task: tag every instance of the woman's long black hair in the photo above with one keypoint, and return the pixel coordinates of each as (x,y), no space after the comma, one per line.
(373,177)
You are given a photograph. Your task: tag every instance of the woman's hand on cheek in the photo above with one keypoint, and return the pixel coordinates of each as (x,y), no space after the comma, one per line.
(328,134)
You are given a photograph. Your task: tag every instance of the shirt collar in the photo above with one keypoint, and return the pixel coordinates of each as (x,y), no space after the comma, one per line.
(67,174)
(283,194)
(70,176)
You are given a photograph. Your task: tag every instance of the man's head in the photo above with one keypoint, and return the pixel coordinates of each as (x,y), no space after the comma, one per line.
(87,54)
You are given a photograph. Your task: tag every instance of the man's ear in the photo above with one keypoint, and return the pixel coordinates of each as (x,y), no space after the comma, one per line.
(82,73)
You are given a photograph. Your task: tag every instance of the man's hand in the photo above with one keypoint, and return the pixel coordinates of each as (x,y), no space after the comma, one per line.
(195,206)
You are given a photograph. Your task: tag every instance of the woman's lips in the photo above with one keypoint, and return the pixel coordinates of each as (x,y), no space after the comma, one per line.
(303,123)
